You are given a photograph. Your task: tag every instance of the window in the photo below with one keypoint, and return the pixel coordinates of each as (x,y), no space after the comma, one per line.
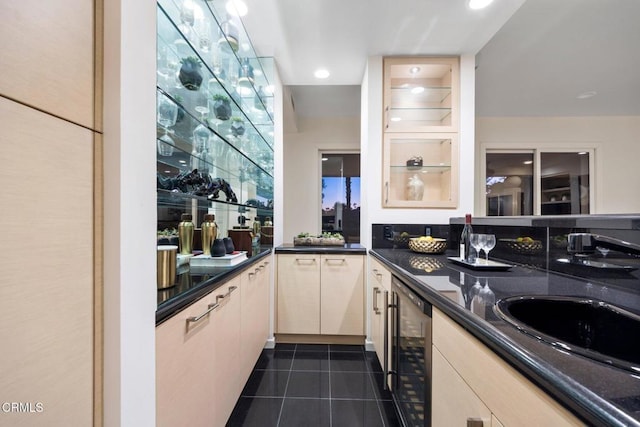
(341,195)
(537,181)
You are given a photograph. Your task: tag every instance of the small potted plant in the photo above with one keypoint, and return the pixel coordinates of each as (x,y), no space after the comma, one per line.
(221,107)
(190,75)
(237,126)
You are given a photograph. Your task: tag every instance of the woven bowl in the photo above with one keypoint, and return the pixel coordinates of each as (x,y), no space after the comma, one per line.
(526,248)
(435,246)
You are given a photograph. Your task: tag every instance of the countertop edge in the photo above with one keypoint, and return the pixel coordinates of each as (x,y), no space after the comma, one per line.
(575,397)
(181,302)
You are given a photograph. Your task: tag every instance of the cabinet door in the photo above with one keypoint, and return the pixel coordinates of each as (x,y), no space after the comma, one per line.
(47,291)
(185,364)
(254,321)
(432,181)
(421,94)
(298,294)
(48,56)
(453,402)
(342,295)
(380,278)
(227,384)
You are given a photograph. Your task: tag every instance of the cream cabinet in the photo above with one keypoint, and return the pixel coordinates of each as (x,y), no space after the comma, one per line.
(320,294)
(421,94)
(254,321)
(454,403)
(48,57)
(298,299)
(421,122)
(380,284)
(492,390)
(198,356)
(420,170)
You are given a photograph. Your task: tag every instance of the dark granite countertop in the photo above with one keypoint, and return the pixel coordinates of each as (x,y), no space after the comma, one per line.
(192,286)
(347,248)
(597,393)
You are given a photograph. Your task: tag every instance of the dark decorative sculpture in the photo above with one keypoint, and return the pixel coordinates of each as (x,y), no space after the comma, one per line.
(197,183)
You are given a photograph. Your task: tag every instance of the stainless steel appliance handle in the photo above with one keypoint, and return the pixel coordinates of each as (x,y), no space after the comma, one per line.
(385,364)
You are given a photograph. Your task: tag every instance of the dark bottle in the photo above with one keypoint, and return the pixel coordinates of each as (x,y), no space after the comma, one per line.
(466,251)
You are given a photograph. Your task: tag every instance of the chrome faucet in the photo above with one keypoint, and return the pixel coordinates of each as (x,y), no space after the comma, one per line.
(586,243)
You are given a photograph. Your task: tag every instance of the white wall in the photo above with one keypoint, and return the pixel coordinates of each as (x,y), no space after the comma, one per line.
(372,153)
(130,297)
(302,192)
(618,139)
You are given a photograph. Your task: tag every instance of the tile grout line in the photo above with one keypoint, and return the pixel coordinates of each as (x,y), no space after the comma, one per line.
(286,386)
(373,384)
(329,368)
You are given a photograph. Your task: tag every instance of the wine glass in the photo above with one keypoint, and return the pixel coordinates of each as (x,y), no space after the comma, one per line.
(167,116)
(486,295)
(201,136)
(489,243)
(477,242)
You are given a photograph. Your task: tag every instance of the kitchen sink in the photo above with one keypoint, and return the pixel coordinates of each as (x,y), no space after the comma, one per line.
(585,326)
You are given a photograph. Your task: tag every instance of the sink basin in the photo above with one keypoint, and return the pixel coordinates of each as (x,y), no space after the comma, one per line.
(592,328)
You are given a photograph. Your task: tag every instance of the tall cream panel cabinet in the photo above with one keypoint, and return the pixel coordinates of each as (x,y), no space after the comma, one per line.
(320,294)
(205,353)
(50,202)
(380,280)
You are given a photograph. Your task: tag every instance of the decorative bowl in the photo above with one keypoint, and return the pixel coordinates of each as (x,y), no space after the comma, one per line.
(523,247)
(433,246)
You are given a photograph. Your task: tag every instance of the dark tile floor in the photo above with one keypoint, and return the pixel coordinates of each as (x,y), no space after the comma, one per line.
(315,385)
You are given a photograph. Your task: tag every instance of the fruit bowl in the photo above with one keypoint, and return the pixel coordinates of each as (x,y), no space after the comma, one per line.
(523,246)
(428,246)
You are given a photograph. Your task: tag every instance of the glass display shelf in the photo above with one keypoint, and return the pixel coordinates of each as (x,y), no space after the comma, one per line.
(192,135)
(422,169)
(421,94)
(213,101)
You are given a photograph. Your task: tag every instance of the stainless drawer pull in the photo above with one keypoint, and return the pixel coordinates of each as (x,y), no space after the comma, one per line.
(251,274)
(310,260)
(335,259)
(231,289)
(210,308)
(376,291)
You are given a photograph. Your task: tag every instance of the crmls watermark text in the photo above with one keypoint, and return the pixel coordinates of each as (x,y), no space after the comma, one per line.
(22,407)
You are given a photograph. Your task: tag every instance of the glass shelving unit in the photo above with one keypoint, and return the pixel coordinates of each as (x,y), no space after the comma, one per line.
(216,154)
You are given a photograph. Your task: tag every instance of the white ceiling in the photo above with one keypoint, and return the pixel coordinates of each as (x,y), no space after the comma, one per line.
(533,57)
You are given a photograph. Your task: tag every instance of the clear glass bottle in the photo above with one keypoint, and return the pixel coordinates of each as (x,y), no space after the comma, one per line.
(185,234)
(209,232)
(466,251)
(257,229)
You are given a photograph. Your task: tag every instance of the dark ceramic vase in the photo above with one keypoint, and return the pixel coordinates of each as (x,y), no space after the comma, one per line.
(218,248)
(222,109)
(228,244)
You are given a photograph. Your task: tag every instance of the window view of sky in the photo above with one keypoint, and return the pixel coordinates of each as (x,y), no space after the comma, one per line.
(335,191)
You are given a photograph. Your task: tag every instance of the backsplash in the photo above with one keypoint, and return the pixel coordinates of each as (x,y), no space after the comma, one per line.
(538,242)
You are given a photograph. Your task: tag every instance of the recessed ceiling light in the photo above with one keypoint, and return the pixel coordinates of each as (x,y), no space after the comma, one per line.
(528,162)
(479,4)
(586,95)
(167,171)
(321,73)
(324,159)
(417,90)
(414,70)
(236,8)
(396,119)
